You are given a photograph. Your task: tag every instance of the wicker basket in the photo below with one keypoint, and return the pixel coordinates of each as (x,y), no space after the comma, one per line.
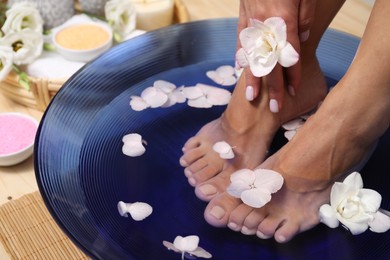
(42,90)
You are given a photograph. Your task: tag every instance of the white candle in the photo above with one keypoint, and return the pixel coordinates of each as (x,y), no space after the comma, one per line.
(153,14)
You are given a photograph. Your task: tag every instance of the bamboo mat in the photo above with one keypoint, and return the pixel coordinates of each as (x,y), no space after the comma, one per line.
(27,231)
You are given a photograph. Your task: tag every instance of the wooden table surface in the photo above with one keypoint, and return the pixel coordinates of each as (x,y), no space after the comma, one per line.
(18,180)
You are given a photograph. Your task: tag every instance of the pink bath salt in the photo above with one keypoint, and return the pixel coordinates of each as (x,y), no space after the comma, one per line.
(16,133)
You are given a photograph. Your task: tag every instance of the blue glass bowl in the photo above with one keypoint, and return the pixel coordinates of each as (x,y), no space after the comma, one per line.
(82,173)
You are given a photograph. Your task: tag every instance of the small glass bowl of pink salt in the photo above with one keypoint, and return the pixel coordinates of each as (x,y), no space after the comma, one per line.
(17,135)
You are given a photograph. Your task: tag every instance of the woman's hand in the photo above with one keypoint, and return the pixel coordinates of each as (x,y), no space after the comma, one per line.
(299,16)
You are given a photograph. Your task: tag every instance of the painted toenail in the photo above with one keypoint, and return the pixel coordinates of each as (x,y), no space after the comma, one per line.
(291,90)
(208,189)
(183,163)
(217,212)
(281,239)
(233,226)
(247,231)
(187,173)
(261,235)
(192,181)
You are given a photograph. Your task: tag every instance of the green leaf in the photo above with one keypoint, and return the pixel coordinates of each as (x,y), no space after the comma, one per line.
(24,81)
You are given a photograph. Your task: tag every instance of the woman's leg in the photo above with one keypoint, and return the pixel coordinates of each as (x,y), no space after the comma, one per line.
(335,139)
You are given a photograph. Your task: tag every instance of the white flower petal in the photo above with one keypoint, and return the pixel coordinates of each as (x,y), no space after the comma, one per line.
(354,180)
(154,97)
(179,95)
(381,222)
(255,198)
(241,58)
(164,86)
(241,181)
(370,200)
(170,246)
(278,27)
(225,71)
(213,75)
(328,216)
(122,209)
(290,134)
(138,103)
(268,180)
(200,252)
(200,102)
(261,69)
(215,96)
(193,92)
(133,145)
(288,56)
(354,228)
(140,210)
(248,38)
(222,147)
(293,124)
(186,244)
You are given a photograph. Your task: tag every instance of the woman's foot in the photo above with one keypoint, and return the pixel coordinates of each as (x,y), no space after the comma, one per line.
(249,127)
(331,143)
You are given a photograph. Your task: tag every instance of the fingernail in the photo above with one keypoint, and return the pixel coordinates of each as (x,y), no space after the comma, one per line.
(304,36)
(274,106)
(183,163)
(192,182)
(233,226)
(249,93)
(291,90)
(207,189)
(217,212)
(247,231)
(261,235)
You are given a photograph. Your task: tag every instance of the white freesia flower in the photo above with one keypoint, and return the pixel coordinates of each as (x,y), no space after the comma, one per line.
(187,245)
(121,15)
(137,210)
(26,44)
(355,207)
(264,45)
(224,150)
(224,75)
(255,187)
(133,145)
(6,61)
(23,15)
(205,96)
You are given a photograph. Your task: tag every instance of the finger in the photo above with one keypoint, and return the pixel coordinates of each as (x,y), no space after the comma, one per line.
(307,10)
(275,84)
(242,22)
(253,85)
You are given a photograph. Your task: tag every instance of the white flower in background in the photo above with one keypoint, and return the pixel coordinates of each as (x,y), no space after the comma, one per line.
(205,96)
(6,61)
(254,188)
(23,15)
(121,16)
(26,44)
(137,210)
(187,245)
(355,207)
(224,75)
(133,145)
(224,150)
(264,45)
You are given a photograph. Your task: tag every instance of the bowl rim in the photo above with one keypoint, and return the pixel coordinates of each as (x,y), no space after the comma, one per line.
(74,51)
(29,146)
